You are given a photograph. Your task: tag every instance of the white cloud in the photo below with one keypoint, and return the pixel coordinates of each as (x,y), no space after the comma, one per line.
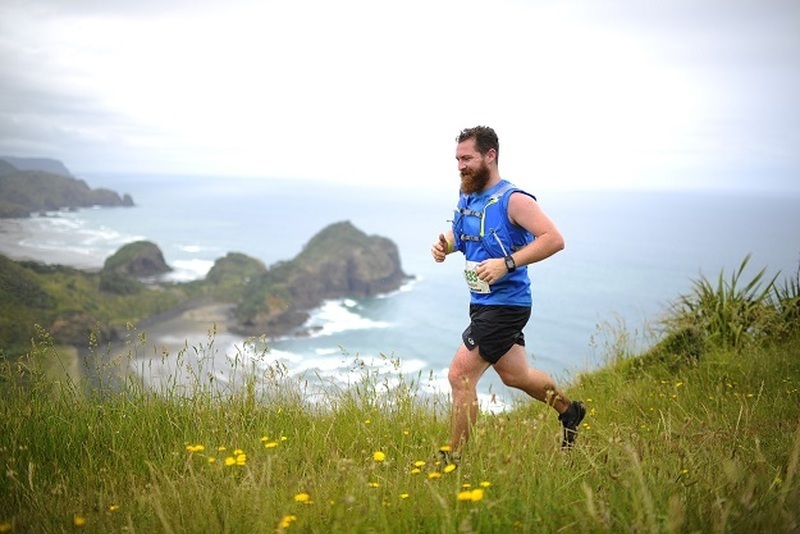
(581,94)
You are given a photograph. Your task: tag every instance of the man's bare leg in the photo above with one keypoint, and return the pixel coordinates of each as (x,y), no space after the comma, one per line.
(515,372)
(466,369)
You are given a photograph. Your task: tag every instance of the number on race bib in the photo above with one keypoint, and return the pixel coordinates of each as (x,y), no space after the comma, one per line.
(475,284)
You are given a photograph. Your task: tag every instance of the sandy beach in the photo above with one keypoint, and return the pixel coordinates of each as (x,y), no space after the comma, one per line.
(16,233)
(170,331)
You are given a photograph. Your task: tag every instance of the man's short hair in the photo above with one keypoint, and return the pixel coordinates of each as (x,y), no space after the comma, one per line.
(485,139)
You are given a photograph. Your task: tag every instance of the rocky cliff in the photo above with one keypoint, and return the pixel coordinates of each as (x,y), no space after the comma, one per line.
(340,261)
(28,189)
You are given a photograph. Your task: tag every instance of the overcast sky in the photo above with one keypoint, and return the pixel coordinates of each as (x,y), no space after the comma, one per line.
(583,93)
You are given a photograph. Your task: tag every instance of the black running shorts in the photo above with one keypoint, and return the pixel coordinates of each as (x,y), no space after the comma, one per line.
(495,329)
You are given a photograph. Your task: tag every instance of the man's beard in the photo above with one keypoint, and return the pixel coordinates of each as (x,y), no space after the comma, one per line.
(474,181)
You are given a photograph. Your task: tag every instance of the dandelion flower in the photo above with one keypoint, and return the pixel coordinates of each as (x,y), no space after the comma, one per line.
(113,507)
(419,463)
(221,448)
(449,468)
(79,521)
(302,497)
(211,459)
(195,448)
(470,495)
(270,444)
(445,448)
(416,471)
(287,520)
(230,460)
(404,495)
(485,484)
(379,456)
(284,438)
(434,474)
(374,485)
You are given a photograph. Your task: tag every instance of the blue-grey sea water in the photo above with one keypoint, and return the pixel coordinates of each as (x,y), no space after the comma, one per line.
(627,256)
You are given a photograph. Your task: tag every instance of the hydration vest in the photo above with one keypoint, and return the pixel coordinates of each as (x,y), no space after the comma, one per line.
(482,230)
(484,220)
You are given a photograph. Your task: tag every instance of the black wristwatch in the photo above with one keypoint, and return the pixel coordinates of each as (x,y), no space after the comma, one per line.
(511,265)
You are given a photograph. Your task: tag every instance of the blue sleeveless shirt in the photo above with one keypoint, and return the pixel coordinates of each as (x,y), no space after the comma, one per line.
(482,230)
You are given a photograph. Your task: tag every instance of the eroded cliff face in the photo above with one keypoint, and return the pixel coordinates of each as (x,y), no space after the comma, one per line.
(36,185)
(340,261)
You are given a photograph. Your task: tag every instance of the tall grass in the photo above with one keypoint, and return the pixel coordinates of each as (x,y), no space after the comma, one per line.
(671,443)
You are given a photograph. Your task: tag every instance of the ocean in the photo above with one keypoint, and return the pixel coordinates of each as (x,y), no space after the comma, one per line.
(628,255)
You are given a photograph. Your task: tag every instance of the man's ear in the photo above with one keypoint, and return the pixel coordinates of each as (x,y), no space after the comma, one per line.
(491,155)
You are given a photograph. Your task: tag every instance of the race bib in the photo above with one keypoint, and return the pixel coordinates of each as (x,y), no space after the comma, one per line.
(475,284)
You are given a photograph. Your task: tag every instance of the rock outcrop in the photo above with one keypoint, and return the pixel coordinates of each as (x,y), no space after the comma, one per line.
(123,271)
(141,259)
(30,189)
(340,261)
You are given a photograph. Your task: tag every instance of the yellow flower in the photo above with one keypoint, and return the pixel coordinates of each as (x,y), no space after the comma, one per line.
(230,460)
(284,438)
(211,459)
(416,470)
(378,456)
(485,484)
(221,448)
(287,520)
(264,438)
(471,495)
(79,521)
(419,463)
(241,459)
(466,485)
(195,448)
(271,445)
(113,507)
(302,497)
(374,485)
(434,474)
(449,468)
(445,448)
(404,495)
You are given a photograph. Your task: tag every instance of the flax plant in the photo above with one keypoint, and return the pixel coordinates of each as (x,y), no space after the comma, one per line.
(730,312)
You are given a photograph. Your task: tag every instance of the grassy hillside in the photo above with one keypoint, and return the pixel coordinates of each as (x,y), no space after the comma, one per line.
(54,297)
(30,191)
(701,433)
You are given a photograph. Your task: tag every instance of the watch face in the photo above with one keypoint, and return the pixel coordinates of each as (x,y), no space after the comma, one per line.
(510,265)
